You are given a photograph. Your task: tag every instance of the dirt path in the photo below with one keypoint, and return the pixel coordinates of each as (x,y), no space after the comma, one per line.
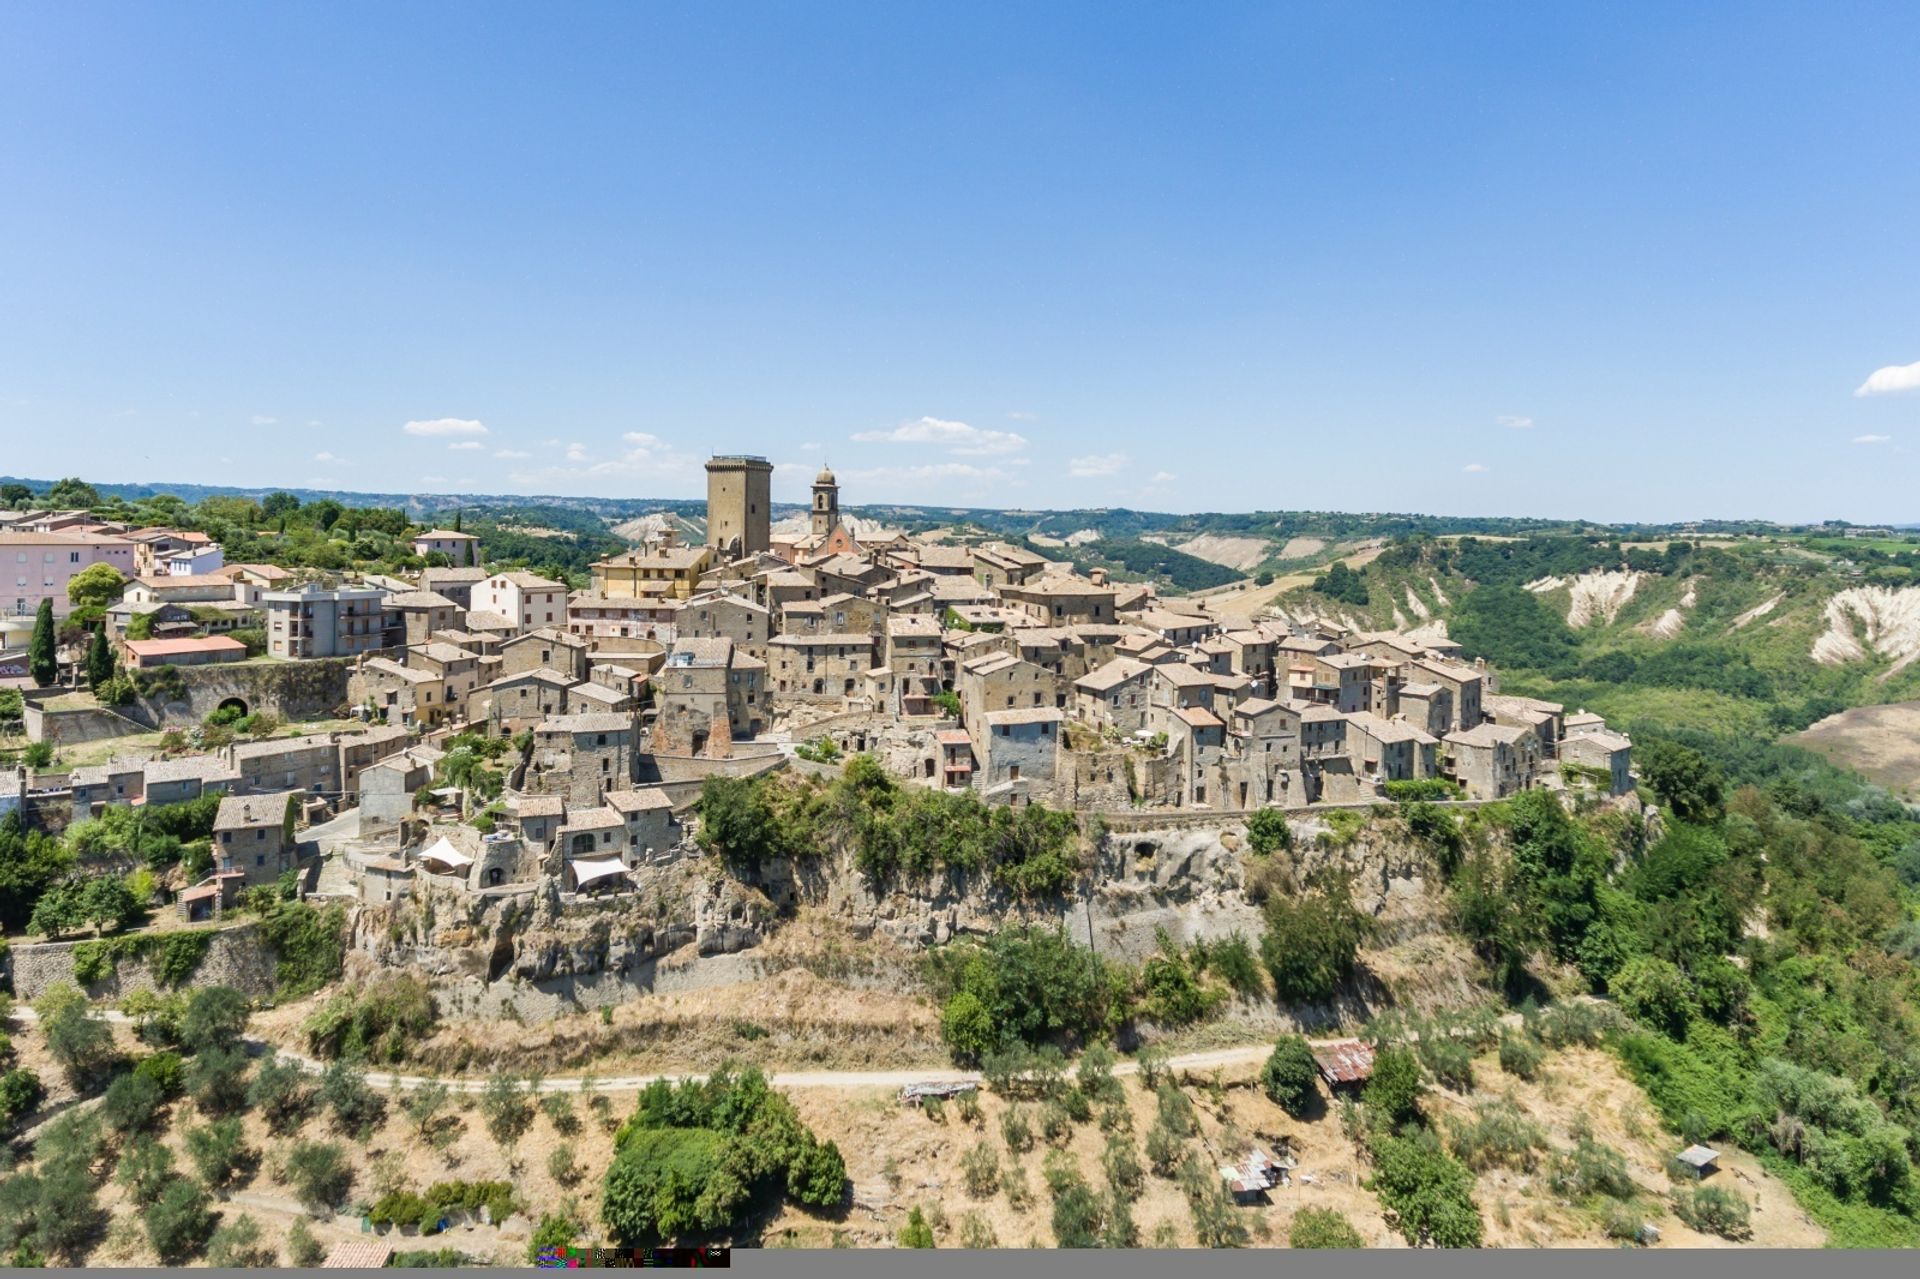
(1243,601)
(1244,1054)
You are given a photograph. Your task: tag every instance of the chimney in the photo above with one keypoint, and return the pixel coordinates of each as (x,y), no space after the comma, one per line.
(1098,576)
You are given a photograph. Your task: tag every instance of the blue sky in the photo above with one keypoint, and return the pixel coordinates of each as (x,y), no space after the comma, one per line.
(1621,262)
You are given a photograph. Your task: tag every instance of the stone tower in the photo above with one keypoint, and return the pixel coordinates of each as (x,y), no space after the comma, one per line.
(739,505)
(826,503)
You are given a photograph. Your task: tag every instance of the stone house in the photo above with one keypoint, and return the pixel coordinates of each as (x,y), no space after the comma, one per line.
(582,757)
(1465,683)
(310,764)
(387,790)
(253,834)
(998,565)
(1000,681)
(545,648)
(1426,706)
(821,669)
(405,695)
(1061,600)
(421,613)
(1389,750)
(647,821)
(175,781)
(98,786)
(1492,761)
(515,702)
(1544,719)
(455,584)
(1605,750)
(1012,747)
(457,668)
(1115,696)
(707,696)
(717,615)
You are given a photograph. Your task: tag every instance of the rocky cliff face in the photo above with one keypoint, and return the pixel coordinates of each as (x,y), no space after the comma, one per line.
(689,926)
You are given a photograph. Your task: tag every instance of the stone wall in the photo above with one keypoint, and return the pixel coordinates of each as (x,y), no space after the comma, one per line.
(236,957)
(296,690)
(72,727)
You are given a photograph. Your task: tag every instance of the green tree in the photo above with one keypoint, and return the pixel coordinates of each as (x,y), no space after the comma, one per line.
(179,1222)
(1684,779)
(132,1104)
(1290,1077)
(968,1027)
(72,494)
(82,1045)
(217,1150)
(216,1079)
(736,821)
(303,1250)
(280,1091)
(1268,832)
(93,588)
(319,1174)
(99,656)
(216,1017)
(1312,942)
(508,1109)
(40,648)
(556,1230)
(1392,1094)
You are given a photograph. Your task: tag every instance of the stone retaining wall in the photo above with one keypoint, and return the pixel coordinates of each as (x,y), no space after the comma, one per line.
(236,957)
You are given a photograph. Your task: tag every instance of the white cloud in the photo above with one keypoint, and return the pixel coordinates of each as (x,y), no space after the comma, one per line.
(1163,477)
(1475,468)
(446,426)
(1895,377)
(1871,439)
(459,446)
(1095,464)
(1021,415)
(652,459)
(433,479)
(327,457)
(510,453)
(1513,423)
(957,438)
(811,446)
(261,420)
(576,452)
(642,440)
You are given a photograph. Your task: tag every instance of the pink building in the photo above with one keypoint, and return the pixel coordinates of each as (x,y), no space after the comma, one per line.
(37,566)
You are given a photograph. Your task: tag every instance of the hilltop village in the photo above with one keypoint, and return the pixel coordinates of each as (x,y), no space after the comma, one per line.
(959,666)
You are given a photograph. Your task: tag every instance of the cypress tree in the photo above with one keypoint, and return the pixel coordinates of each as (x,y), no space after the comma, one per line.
(456,521)
(99,658)
(40,648)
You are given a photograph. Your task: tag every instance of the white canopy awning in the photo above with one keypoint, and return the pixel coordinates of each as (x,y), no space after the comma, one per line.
(590,871)
(446,854)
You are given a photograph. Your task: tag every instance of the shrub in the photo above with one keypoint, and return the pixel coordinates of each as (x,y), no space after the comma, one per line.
(1591,1168)
(1713,1210)
(1290,1077)
(1498,1136)
(82,1046)
(967,1027)
(1520,1055)
(981,1168)
(1094,1075)
(508,1110)
(1322,1228)
(303,1250)
(20,1092)
(236,1245)
(976,1232)
(916,1233)
(1122,1166)
(561,1165)
(1216,1221)
(165,1069)
(1056,1125)
(555,1231)
(319,1174)
(377,1022)
(1448,1059)
(1656,992)
(179,1222)
(1015,1130)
